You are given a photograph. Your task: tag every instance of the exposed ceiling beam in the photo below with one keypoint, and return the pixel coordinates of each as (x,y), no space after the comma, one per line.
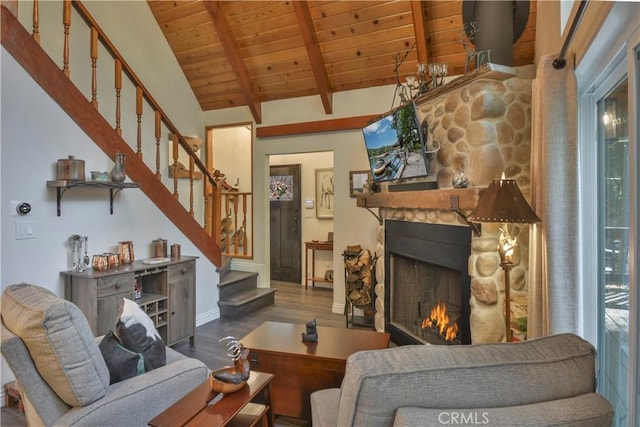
(305,23)
(420,30)
(222,28)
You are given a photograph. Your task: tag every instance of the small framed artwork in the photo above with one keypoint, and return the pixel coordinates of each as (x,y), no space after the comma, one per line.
(324,193)
(357,181)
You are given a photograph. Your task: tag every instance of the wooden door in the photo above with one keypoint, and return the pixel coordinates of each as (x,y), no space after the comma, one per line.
(286,241)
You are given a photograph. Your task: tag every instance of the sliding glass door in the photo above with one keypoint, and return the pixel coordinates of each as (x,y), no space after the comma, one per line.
(609,82)
(613,248)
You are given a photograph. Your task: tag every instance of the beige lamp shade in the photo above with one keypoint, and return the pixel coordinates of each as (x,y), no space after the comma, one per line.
(503,201)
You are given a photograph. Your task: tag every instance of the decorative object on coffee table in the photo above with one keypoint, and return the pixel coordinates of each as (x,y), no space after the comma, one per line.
(312,332)
(231,378)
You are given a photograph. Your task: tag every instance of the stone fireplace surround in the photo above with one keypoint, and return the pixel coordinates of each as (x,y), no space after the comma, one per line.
(484,129)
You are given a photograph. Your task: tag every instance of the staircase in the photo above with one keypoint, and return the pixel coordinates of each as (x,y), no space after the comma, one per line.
(238,293)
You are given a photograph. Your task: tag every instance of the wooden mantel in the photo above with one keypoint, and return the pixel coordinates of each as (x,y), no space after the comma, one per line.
(424,199)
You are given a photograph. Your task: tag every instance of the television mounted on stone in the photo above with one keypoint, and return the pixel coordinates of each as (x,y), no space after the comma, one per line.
(396,145)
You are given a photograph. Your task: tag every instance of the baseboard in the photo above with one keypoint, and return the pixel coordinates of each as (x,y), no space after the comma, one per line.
(337,308)
(207,317)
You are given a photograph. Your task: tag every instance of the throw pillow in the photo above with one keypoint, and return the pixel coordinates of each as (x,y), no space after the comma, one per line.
(59,340)
(137,333)
(122,362)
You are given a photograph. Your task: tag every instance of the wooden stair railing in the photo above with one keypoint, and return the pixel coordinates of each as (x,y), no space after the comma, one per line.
(26,50)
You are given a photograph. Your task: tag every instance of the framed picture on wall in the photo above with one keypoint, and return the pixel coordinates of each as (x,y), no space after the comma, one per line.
(357,181)
(324,193)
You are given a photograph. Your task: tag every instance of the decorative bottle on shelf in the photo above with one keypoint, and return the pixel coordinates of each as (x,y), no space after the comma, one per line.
(117,173)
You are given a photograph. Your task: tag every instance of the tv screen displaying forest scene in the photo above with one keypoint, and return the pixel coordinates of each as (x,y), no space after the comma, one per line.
(395,146)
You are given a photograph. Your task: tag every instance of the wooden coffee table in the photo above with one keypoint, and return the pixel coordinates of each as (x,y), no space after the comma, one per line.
(300,368)
(204,407)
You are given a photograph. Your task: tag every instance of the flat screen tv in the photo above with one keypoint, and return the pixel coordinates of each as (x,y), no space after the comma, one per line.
(395,146)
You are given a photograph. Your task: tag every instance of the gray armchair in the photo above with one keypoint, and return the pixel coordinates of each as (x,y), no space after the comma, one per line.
(130,402)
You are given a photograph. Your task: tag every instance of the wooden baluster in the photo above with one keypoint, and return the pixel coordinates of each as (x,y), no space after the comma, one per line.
(227,214)
(158,119)
(66,21)
(216,221)
(139,115)
(36,21)
(174,139)
(118,80)
(244,223)
(235,223)
(94,62)
(206,188)
(191,162)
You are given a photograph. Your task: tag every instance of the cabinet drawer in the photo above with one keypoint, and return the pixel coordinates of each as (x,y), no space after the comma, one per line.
(113,285)
(178,270)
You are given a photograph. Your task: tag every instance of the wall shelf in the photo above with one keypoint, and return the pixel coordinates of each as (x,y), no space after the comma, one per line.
(62,186)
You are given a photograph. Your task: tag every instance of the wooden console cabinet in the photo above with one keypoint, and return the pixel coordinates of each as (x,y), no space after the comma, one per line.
(168,295)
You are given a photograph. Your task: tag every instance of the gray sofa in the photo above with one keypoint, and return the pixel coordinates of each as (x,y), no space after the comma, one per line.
(56,360)
(540,382)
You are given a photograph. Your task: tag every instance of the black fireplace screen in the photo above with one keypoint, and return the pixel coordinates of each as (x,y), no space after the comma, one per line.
(426,302)
(427,284)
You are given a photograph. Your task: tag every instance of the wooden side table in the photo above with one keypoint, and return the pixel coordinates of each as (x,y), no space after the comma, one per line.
(313,247)
(249,406)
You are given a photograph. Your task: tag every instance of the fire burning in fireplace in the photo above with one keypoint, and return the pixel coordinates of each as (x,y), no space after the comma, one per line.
(440,321)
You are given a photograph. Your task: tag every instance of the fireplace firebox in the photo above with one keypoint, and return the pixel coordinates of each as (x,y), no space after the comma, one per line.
(427,288)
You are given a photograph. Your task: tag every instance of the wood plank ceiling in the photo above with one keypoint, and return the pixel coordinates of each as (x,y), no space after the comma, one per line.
(237,53)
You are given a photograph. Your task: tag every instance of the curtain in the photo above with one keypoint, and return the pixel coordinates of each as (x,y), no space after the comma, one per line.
(554,282)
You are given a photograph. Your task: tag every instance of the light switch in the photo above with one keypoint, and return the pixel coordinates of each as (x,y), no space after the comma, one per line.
(25,230)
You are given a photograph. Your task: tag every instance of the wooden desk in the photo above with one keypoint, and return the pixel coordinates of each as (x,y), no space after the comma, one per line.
(204,407)
(300,368)
(313,247)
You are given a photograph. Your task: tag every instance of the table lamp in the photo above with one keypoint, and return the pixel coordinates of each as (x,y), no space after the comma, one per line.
(503,202)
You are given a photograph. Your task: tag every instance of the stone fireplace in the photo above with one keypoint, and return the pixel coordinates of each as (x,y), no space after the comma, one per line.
(483,129)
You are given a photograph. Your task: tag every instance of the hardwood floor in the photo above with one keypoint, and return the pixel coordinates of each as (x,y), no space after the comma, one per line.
(293,304)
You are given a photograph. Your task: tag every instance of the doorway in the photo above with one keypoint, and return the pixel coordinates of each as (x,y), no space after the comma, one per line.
(284,206)
(314,223)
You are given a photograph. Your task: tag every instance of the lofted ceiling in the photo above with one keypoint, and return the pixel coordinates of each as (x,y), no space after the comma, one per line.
(237,53)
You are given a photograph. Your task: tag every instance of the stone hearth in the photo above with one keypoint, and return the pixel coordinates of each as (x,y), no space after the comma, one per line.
(483,129)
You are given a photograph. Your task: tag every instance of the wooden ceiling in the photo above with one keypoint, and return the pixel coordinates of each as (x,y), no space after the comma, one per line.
(237,53)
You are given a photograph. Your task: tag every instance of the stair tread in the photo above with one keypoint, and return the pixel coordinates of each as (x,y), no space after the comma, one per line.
(233,276)
(246,296)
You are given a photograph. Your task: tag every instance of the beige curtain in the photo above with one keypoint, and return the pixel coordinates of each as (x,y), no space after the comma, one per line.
(554,264)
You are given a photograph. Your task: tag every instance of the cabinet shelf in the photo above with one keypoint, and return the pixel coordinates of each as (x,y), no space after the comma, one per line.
(62,186)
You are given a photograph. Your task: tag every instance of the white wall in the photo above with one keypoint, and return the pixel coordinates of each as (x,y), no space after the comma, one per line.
(35,132)
(352,225)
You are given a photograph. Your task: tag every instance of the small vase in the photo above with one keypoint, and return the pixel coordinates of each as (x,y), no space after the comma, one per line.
(117,173)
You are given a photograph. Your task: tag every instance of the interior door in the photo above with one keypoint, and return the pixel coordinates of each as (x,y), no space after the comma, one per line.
(286,241)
